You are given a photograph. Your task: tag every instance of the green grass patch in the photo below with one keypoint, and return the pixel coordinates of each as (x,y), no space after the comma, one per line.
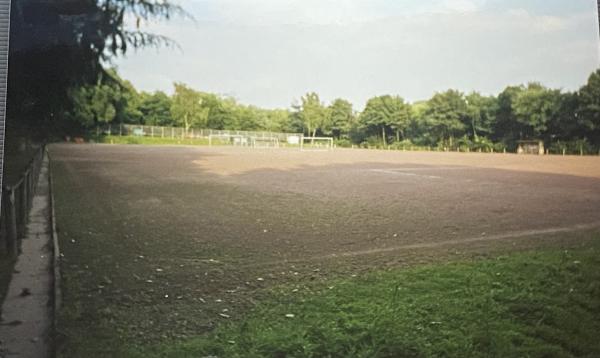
(538,304)
(111,139)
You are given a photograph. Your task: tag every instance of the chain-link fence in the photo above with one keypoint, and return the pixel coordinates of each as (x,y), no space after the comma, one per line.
(178,132)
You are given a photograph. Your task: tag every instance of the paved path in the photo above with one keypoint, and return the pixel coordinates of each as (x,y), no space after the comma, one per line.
(26,311)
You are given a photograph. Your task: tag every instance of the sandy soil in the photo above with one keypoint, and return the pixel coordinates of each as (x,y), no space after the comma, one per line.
(154,231)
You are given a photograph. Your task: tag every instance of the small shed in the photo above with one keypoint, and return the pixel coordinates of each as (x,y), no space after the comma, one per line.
(530,147)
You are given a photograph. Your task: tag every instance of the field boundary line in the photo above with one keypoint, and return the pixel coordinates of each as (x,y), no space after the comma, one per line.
(404,173)
(481,238)
(426,245)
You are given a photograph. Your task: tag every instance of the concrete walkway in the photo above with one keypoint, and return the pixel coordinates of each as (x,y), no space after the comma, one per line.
(27,309)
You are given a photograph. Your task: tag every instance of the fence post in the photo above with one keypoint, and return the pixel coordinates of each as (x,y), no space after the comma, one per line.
(11,224)
(23,198)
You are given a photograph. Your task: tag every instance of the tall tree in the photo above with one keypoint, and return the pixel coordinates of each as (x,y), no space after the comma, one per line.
(58,45)
(314,113)
(187,107)
(341,117)
(107,101)
(480,114)
(534,107)
(156,109)
(445,115)
(506,128)
(588,113)
(386,112)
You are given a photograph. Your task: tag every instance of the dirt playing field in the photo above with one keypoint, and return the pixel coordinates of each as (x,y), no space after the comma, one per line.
(168,241)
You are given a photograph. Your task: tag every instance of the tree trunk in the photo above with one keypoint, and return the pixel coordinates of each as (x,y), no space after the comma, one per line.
(313,136)
(398,135)
(383,135)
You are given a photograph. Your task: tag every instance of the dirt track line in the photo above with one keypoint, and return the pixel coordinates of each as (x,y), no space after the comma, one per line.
(431,168)
(425,245)
(482,238)
(404,173)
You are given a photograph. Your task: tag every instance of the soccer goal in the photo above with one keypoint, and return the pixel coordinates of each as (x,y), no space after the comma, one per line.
(228,139)
(316,143)
(264,142)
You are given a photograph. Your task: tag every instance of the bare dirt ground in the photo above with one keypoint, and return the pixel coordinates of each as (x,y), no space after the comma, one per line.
(164,242)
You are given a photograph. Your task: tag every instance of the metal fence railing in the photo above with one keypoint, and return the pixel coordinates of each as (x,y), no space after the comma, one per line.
(178,132)
(16,203)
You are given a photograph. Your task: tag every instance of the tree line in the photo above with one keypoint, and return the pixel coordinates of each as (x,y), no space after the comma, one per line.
(564,120)
(57,78)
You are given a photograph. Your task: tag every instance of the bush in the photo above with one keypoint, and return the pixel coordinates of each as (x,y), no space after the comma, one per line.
(402,145)
(577,147)
(463,143)
(483,144)
(343,143)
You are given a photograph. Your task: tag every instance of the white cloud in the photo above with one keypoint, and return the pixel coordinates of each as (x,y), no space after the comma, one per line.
(326,12)
(350,49)
(461,5)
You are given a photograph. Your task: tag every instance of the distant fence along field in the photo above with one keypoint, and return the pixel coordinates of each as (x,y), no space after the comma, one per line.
(178,132)
(141,134)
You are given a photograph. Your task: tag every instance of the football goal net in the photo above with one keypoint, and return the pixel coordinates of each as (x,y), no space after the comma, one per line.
(316,143)
(264,142)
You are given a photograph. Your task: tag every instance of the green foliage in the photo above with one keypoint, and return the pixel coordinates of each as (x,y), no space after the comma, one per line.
(155,108)
(385,112)
(343,143)
(529,304)
(447,121)
(107,101)
(315,116)
(445,115)
(188,107)
(341,117)
(534,107)
(588,113)
(480,114)
(577,147)
(57,46)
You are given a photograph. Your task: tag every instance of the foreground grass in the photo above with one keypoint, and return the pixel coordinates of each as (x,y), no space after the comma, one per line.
(544,304)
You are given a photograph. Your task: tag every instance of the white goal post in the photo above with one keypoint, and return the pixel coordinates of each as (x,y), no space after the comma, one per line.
(264,142)
(316,143)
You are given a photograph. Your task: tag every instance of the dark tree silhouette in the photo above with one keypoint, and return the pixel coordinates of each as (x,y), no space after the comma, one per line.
(58,44)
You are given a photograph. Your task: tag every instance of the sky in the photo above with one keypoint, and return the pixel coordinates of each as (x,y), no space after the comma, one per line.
(270,52)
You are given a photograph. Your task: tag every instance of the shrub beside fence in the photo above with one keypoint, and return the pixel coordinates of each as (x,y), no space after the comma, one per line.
(16,203)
